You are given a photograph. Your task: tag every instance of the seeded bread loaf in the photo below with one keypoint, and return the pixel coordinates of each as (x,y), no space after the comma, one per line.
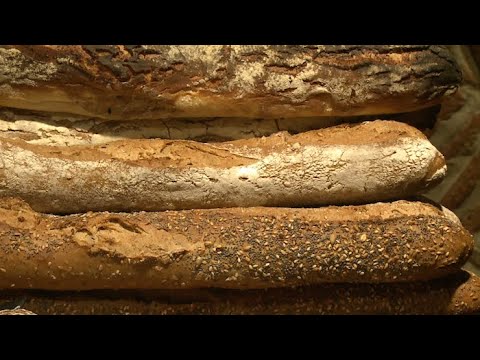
(150,82)
(229,248)
(347,164)
(453,295)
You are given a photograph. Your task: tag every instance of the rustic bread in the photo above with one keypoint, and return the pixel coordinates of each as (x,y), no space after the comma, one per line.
(457,294)
(347,164)
(229,248)
(151,82)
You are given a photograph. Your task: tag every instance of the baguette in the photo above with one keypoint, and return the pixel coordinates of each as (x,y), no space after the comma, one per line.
(454,295)
(229,248)
(347,164)
(150,82)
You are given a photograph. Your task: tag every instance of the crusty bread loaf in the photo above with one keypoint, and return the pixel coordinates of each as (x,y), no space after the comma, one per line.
(151,82)
(457,294)
(348,164)
(229,248)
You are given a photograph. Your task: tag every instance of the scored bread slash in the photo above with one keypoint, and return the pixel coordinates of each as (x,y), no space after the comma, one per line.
(346,164)
(261,81)
(277,247)
(458,294)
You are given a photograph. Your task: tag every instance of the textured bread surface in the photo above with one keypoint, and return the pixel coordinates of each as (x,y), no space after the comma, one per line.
(346,164)
(44,128)
(229,248)
(458,294)
(260,81)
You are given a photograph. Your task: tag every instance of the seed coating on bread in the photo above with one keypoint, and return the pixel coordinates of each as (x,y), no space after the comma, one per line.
(229,248)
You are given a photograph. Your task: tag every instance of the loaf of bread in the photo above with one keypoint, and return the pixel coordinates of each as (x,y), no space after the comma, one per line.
(151,82)
(229,248)
(347,164)
(456,294)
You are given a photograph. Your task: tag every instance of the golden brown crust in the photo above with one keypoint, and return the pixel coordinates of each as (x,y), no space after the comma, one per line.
(230,248)
(183,153)
(453,295)
(147,82)
(347,164)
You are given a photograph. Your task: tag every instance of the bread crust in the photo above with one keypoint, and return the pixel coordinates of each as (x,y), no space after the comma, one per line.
(229,248)
(347,164)
(261,81)
(42,128)
(458,294)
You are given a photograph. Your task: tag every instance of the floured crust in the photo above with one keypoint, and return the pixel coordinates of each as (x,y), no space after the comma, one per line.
(229,248)
(44,128)
(151,82)
(347,164)
(454,295)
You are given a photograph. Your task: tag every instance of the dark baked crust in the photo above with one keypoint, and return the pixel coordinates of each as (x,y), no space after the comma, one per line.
(147,82)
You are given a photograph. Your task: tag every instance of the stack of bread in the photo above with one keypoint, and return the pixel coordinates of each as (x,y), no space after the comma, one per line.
(226,180)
